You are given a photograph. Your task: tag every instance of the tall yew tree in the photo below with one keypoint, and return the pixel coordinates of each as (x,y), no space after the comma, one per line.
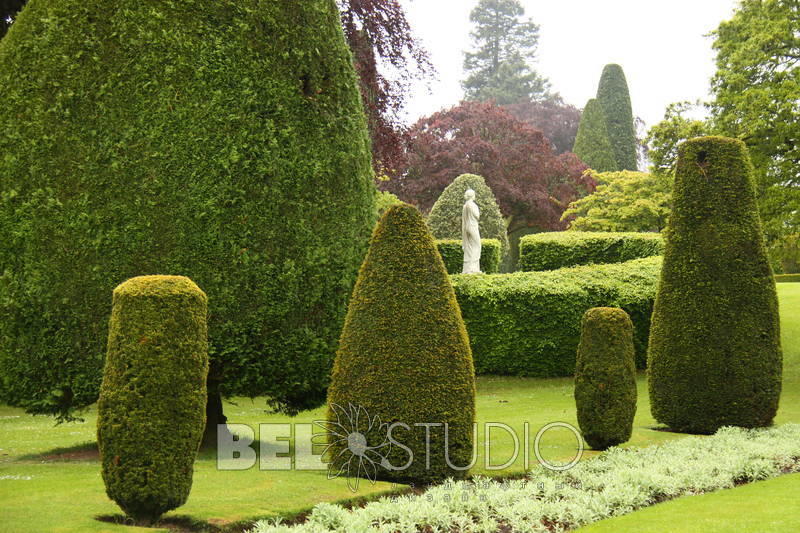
(614,97)
(498,68)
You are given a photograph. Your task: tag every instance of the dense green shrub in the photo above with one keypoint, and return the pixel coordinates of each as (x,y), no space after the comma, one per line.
(404,355)
(715,357)
(453,255)
(445,216)
(592,143)
(605,377)
(787,278)
(222,140)
(559,249)
(528,323)
(384,200)
(615,99)
(151,412)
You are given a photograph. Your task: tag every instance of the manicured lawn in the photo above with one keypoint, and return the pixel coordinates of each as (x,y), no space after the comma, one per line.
(766,506)
(41,493)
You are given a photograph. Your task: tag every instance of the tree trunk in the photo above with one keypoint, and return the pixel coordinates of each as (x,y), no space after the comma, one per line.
(214,417)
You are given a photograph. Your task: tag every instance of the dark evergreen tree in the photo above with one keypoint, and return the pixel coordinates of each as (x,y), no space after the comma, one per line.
(504,46)
(225,141)
(613,95)
(715,356)
(592,143)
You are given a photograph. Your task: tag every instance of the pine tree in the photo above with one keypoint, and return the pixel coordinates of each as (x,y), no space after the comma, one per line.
(504,46)
(592,144)
(614,97)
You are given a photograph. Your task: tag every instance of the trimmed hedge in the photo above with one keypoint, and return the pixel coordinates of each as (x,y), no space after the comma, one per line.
(605,378)
(225,141)
(453,255)
(560,249)
(151,411)
(592,143)
(715,355)
(444,219)
(404,356)
(529,323)
(787,278)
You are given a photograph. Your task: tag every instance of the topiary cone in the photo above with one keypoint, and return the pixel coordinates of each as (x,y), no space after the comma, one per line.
(605,377)
(404,357)
(715,356)
(151,411)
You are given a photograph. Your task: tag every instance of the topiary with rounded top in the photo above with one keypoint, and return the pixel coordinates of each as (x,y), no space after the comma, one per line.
(151,411)
(605,377)
(715,355)
(444,219)
(592,143)
(222,140)
(404,357)
(615,99)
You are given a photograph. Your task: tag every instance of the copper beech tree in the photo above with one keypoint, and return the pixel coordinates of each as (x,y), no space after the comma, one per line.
(532,183)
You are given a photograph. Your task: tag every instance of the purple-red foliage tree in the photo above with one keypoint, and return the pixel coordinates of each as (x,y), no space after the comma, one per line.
(533,185)
(379,34)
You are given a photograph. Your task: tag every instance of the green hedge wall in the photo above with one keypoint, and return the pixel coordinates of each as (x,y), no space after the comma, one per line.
(787,278)
(529,323)
(453,255)
(560,249)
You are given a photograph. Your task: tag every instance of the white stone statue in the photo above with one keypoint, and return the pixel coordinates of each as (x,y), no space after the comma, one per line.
(470,234)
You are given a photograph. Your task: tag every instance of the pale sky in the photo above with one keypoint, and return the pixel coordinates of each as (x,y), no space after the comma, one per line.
(659,43)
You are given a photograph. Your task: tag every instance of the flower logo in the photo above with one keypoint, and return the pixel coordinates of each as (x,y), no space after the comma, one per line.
(355,459)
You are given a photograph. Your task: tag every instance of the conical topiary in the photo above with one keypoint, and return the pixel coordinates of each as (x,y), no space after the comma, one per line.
(445,216)
(715,357)
(404,358)
(151,411)
(222,140)
(605,377)
(615,99)
(592,143)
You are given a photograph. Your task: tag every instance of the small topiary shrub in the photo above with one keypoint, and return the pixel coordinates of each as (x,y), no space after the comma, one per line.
(151,411)
(445,217)
(605,378)
(592,143)
(715,356)
(453,255)
(529,323)
(560,249)
(404,355)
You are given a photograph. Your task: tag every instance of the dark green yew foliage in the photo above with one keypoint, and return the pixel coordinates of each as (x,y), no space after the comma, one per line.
(445,216)
(404,355)
(715,356)
(220,140)
(615,99)
(592,143)
(151,412)
(605,377)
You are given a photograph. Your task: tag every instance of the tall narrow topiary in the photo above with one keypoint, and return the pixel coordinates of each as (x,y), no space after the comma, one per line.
(615,99)
(715,356)
(151,412)
(592,143)
(605,377)
(404,358)
(445,216)
(222,140)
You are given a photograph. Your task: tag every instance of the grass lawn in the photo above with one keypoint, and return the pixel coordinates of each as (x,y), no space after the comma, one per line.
(43,491)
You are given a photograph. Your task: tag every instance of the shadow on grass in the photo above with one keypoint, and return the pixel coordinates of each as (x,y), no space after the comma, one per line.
(177,523)
(86,451)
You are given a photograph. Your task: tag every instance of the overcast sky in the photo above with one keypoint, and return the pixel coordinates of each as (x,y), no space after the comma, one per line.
(659,43)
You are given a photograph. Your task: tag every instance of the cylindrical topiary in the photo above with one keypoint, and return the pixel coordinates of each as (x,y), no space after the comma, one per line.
(404,358)
(715,357)
(444,219)
(614,97)
(223,140)
(605,377)
(151,411)
(592,143)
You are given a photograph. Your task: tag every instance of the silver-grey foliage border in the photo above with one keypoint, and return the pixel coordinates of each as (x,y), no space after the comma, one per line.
(615,483)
